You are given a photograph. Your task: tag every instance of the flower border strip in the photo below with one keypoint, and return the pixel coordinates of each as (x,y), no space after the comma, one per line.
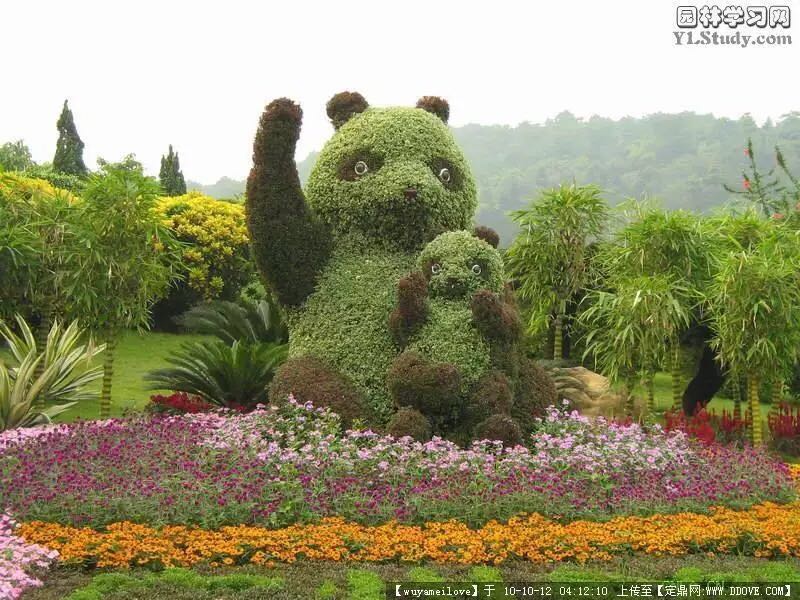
(765,530)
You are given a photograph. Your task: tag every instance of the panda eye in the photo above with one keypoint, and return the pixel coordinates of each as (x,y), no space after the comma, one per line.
(359,164)
(476,268)
(446,173)
(436,268)
(360,168)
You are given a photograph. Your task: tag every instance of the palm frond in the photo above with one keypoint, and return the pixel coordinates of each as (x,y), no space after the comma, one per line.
(221,374)
(252,322)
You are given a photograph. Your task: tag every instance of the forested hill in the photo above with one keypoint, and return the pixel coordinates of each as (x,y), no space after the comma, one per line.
(682,159)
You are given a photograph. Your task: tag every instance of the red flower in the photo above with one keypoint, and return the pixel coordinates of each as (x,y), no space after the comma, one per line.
(746,183)
(777,216)
(179,402)
(746,152)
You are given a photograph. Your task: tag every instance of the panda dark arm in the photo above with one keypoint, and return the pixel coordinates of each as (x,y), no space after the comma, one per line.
(289,244)
(412,308)
(495,317)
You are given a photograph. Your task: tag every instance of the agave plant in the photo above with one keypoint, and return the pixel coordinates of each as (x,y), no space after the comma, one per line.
(61,379)
(251,322)
(234,376)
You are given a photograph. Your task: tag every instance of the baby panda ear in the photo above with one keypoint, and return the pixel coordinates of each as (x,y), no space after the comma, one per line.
(487,234)
(435,105)
(343,106)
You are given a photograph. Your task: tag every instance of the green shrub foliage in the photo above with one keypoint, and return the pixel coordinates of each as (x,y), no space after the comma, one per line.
(410,422)
(386,183)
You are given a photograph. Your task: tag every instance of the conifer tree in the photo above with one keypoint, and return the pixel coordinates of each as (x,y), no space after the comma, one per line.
(69,148)
(170,175)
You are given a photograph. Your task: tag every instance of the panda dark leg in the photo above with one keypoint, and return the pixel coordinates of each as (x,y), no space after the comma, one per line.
(431,388)
(310,379)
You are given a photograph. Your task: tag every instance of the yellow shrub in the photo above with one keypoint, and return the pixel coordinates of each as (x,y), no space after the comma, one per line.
(14,185)
(217,256)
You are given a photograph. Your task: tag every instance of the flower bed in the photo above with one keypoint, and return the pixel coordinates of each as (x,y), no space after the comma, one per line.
(766,530)
(287,465)
(18,559)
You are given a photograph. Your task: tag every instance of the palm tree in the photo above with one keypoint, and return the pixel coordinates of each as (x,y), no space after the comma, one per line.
(549,256)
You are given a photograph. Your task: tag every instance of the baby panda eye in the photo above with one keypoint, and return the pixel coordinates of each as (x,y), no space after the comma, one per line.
(360,168)
(446,173)
(476,268)
(436,268)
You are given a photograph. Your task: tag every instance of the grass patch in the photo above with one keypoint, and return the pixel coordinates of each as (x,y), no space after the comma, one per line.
(175,583)
(136,354)
(342,581)
(662,387)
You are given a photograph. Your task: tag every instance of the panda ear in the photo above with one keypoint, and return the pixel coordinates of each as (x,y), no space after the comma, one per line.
(343,106)
(435,105)
(487,234)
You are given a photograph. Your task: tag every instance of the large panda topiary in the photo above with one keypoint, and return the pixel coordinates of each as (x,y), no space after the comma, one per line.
(387,183)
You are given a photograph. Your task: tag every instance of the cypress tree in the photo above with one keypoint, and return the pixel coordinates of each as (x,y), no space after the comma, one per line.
(170,175)
(69,148)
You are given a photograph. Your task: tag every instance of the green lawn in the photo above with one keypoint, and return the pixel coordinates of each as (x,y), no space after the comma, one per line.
(663,397)
(136,355)
(310,580)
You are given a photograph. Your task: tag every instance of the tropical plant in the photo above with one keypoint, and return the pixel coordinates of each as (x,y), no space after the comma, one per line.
(59,373)
(549,256)
(767,191)
(246,321)
(659,243)
(130,261)
(19,254)
(234,376)
(42,243)
(632,328)
(754,303)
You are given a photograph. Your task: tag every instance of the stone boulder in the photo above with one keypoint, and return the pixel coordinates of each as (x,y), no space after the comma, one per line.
(589,392)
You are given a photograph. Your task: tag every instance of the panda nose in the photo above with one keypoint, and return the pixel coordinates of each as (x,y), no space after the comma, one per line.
(410,193)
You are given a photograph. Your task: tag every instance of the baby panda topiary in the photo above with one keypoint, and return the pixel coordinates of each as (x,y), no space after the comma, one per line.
(388,182)
(460,369)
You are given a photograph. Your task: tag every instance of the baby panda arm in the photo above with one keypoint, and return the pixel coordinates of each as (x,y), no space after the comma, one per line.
(412,309)
(289,244)
(495,317)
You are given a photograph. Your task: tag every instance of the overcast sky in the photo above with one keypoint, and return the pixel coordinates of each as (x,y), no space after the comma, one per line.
(141,75)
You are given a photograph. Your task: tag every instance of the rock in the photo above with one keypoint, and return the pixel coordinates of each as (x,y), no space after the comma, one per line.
(589,392)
